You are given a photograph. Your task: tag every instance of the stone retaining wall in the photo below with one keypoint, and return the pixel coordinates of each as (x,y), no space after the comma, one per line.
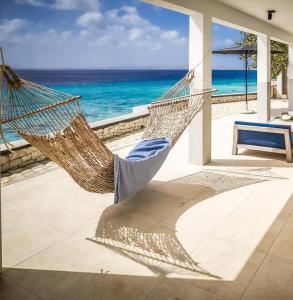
(218,99)
(24,154)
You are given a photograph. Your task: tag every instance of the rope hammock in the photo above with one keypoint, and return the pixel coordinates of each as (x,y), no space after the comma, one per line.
(53,123)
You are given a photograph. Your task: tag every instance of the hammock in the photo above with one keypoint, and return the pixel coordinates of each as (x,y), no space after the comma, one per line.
(53,123)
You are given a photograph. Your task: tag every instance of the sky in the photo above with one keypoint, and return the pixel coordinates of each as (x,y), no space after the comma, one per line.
(123,34)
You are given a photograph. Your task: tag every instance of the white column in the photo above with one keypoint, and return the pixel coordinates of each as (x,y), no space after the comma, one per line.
(199,131)
(264,77)
(290,78)
(0,238)
(280,85)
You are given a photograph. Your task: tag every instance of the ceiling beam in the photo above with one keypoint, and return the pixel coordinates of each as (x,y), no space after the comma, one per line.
(226,15)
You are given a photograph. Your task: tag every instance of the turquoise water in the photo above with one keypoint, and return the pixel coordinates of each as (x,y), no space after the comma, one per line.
(109,93)
(100,101)
(233,81)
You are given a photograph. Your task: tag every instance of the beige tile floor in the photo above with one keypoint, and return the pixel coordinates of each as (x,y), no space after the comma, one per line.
(222,231)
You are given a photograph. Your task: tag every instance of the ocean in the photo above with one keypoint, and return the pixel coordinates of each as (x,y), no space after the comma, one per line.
(108,93)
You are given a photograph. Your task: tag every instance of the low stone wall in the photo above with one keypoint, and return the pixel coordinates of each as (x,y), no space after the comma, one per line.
(218,99)
(24,154)
(21,156)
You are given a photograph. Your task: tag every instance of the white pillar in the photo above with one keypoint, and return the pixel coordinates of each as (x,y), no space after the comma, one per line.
(264,77)
(279,85)
(199,131)
(290,78)
(0,235)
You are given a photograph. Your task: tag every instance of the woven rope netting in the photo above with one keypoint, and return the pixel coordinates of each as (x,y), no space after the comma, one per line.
(53,122)
(171,113)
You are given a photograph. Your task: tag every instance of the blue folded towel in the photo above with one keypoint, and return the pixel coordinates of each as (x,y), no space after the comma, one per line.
(147,148)
(139,167)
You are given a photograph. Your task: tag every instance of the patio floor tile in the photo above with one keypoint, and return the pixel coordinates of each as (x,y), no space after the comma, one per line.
(175,289)
(11,290)
(77,215)
(283,245)
(222,268)
(12,220)
(106,287)
(290,219)
(273,281)
(247,226)
(58,194)
(207,211)
(27,241)
(58,266)
(71,254)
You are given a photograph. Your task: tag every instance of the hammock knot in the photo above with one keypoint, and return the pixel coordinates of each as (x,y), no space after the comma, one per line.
(189,76)
(11,77)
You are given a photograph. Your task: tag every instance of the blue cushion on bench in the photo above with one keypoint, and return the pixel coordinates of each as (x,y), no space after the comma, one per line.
(264,139)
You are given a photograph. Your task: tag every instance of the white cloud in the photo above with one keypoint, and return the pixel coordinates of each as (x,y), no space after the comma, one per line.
(135,34)
(31,2)
(8,27)
(229,42)
(89,19)
(174,36)
(170,35)
(76,4)
(117,38)
(101,41)
(132,19)
(112,14)
(66,34)
(126,24)
(64,4)
(84,33)
(129,9)
(127,15)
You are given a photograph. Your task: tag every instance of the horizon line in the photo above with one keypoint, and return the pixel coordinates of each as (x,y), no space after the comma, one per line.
(121,69)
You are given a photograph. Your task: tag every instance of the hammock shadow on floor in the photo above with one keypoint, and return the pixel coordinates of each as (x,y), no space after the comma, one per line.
(144,228)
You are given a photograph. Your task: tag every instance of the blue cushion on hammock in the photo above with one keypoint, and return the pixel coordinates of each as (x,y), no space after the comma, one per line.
(147,148)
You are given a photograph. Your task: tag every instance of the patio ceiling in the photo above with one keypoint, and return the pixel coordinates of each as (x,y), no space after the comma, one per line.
(249,15)
(258,9)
